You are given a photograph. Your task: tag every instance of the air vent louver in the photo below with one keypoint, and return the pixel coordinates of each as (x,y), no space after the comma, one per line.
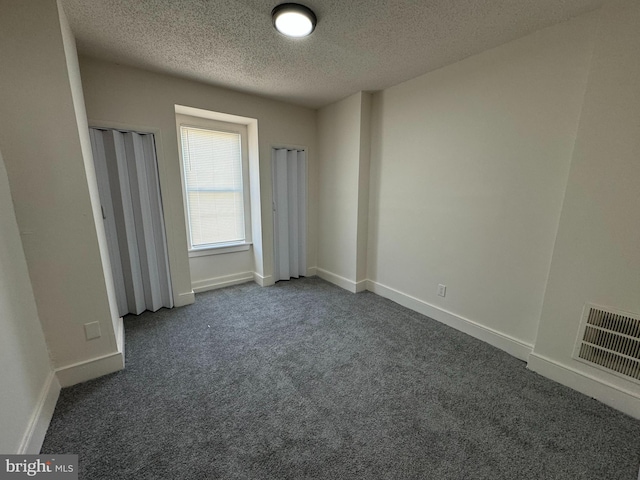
(610,340)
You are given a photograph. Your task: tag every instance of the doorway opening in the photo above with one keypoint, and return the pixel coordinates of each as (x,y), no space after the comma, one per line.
(129,189)
(289,174)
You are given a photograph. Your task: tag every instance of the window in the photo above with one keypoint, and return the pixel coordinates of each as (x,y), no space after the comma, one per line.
(214,164)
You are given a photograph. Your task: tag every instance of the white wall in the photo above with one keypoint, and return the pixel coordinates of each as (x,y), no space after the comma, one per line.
(118,95)
(77,95)
(41,136)
(597,251)
(468,170)
(25,369)
(220,269)
(343,135)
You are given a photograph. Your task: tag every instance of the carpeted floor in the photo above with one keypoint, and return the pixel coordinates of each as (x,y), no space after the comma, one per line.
(305,380)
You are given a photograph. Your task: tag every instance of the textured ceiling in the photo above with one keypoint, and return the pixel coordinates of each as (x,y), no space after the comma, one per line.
(357,45)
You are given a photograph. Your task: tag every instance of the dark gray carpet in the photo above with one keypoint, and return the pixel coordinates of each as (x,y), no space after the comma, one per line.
(304,380)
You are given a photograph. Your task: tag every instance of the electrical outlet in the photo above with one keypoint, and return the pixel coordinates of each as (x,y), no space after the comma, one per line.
(442,290)
(92,330)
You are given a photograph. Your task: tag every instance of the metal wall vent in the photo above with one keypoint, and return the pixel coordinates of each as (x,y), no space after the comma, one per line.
(610,340)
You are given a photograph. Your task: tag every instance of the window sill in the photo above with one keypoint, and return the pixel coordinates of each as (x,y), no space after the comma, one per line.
(220,249)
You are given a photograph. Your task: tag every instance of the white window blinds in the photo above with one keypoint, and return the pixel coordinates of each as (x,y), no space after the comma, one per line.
(213,179)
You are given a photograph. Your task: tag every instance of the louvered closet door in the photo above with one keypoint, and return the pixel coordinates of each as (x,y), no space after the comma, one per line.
(129,188)
(289,168)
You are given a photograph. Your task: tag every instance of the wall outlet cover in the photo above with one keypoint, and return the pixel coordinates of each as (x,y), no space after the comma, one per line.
(92,330)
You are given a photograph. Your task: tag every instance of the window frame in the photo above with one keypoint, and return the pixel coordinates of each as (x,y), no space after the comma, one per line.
(226,127)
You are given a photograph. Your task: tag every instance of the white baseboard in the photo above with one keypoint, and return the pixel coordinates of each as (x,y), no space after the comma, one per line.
(95,367)
(39,422)
(221,282)
(90,369)
(605,392)
(120,339)
(183,299)
(342,282)
(493,337)
(120,335)
(263,281)
(268,280)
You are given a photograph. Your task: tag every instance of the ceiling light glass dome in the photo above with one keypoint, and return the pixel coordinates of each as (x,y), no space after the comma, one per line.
(293,20)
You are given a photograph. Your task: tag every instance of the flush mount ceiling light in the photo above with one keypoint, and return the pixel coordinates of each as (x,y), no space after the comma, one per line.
(293,20)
